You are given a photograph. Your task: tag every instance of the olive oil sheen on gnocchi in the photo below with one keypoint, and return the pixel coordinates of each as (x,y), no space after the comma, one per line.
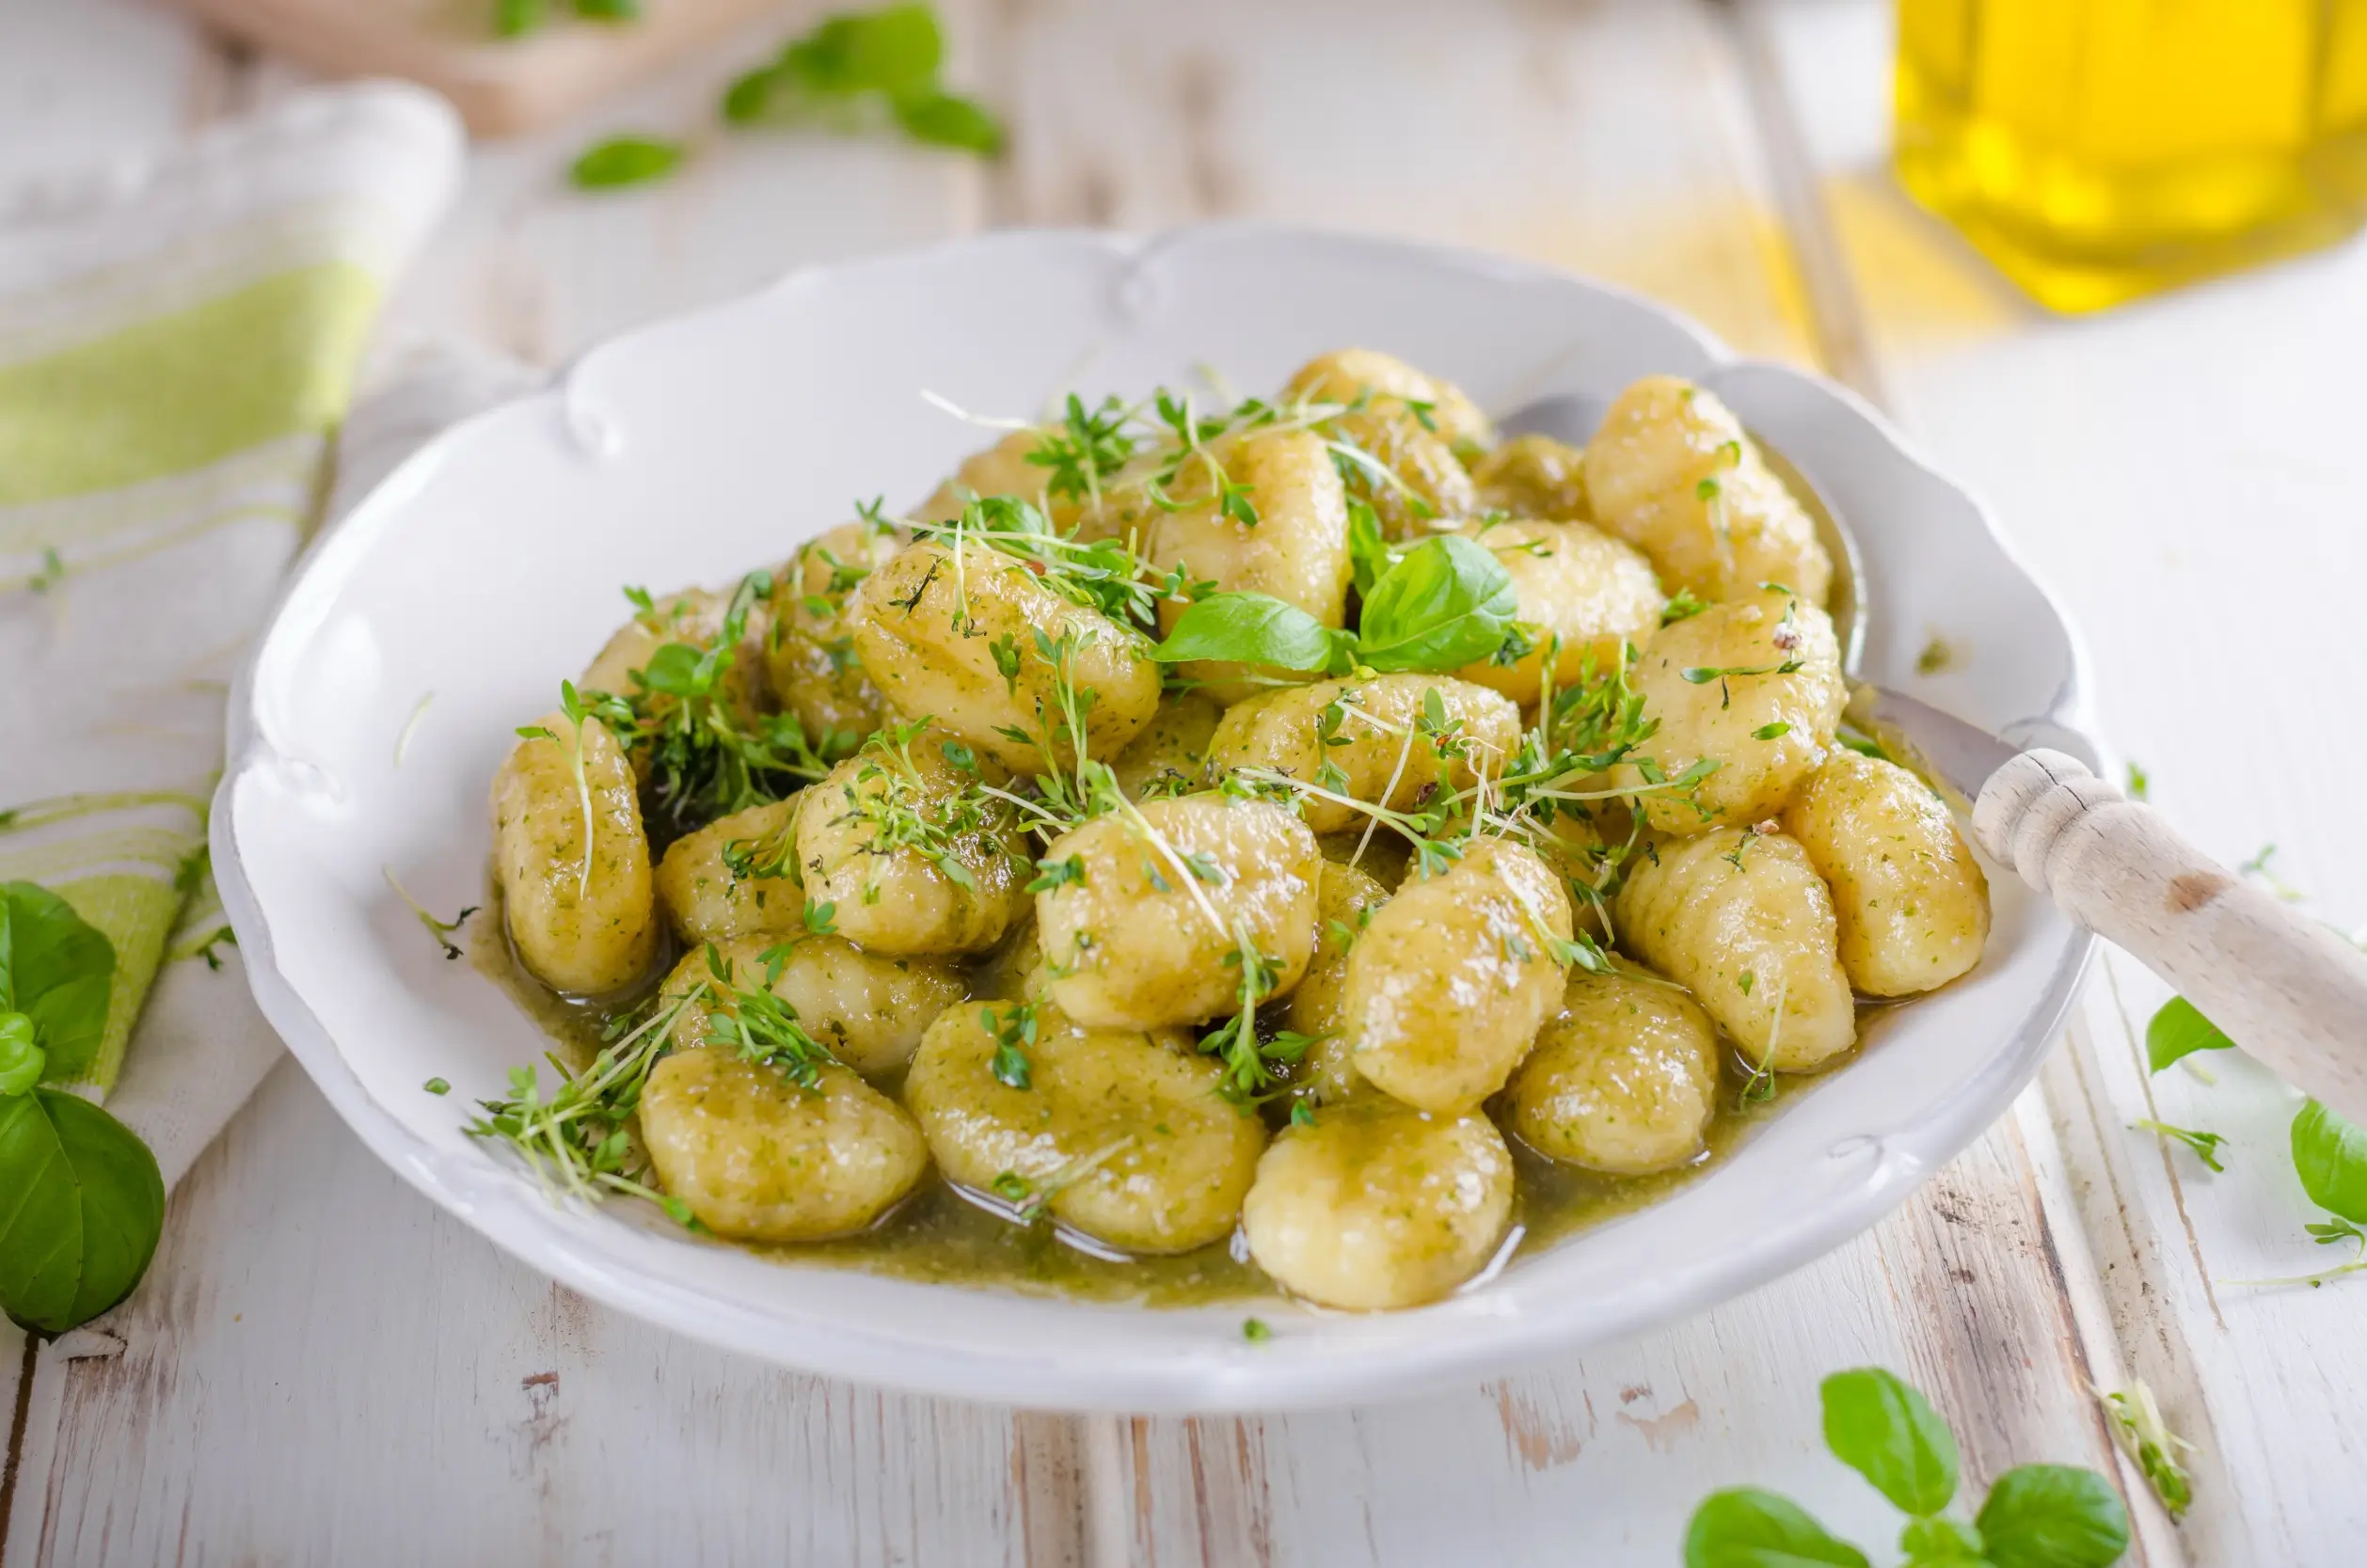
(1215,849)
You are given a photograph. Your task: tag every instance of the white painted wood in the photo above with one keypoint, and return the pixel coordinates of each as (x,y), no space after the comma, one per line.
(2174,472)
(2291,991)
(324,1369)
(1515,125)
(322,1365)
(499,86)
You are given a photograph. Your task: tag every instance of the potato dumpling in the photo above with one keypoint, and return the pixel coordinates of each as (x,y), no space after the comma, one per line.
(810,661)
(695,616)
(1120,1134)
(867,1009)
(1575,585)
(1296,550)
(1534,476)
(1003,468)
(1741,920)
(1170,755)
(1623,1080)
(1346,899)
(1447,986)
(1385,382)
(760,1158)
(952,636)
(705,900)
(1377,1205)
(1672,472)
(1716,683)
(1015,972)
(584,918)
(1374,738)
(910,854)
(1912,902)
(1127,925)
(1421,487)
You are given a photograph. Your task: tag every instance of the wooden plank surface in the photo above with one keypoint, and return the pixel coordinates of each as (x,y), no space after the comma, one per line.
(322,1360)
(500,86)
(2177,472)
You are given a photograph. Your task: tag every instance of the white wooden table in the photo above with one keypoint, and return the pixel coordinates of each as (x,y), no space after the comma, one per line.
(322,1367)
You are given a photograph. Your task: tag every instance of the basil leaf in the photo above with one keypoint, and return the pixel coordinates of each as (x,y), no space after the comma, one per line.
(1249,628)
(1889,1433)
(1447,603)
(1368,550)
(1746,1527)
(85,1206)
(626,161)
(2330,1154)
(896,50)
(1941,1543)
(56,969)
(2052,1517)
(2178,1030)
(942,120)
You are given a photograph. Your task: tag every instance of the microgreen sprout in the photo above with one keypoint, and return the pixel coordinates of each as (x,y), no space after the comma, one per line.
(440,931)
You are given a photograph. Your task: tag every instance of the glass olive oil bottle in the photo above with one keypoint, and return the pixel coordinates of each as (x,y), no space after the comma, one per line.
(2100,150)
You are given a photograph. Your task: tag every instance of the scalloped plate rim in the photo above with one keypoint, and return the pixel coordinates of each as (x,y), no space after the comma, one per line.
(581,1249)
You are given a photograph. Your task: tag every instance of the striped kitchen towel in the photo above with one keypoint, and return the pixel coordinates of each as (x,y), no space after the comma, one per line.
(178,343)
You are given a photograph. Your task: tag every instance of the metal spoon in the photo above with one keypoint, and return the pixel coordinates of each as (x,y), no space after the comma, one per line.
(2293,992)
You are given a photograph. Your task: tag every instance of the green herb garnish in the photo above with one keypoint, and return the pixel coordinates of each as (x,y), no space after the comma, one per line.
(2035,1517)
(623,161)
(85,1202)
(891,55)
(2205,1145)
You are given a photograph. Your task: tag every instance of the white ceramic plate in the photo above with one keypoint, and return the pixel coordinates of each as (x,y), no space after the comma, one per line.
(488,566)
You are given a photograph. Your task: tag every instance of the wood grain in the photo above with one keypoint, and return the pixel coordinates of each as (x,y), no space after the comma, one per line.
(2290,990)
(322,1365)
(2166,469)
(502,86)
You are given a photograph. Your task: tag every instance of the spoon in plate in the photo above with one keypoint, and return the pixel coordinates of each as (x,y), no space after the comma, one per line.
(2292,991)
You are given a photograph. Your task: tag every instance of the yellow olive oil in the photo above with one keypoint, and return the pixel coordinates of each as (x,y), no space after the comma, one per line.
(2101,150)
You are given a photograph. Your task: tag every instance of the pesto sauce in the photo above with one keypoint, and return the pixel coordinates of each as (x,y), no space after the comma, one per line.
(939,1236)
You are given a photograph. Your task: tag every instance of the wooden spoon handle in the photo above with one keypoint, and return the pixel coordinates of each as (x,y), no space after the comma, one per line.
(2289,990)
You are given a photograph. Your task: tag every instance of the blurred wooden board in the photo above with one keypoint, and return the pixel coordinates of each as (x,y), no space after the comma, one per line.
(500,86)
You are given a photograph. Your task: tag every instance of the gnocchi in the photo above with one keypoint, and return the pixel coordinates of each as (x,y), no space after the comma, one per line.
(736,877)
(1378,1205)
(1534,476)
(932,897)
(866,1009)
(1380,736)
(1448,982)
(1262,513)
(1740,919)
(1587,597)
(1345,898)
(757,1158)
(1674,473)
(811,666)
(1910,902)
(572,860)
(1116,1132)
(1145,906)
(970,639)
(1623,1080)
(1752,687)
(909,857)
